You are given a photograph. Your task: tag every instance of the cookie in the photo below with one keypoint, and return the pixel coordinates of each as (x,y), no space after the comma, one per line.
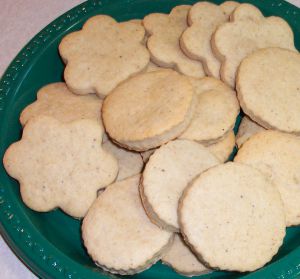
(277,155)
(163,42)
(216,110)
(248,31)
(233,218)
(203,19)
(118,234)
(268,88)
(182,260)
(224,147)
(103,54)
(166,175)
(57,101)
(60,164)
(149,109)
(130,163)
(247,129)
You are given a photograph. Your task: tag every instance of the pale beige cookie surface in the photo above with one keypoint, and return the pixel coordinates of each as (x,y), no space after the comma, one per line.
(224,147)
(247,129)
(60,164)
(268,87)
(149,109)
(216,110)
(167,174)
(277,155)
(233,218)
(204,18)
(130,163)
(103,54)
(182,260)
(248,31)
(163,42)
(117,233)
(57,101)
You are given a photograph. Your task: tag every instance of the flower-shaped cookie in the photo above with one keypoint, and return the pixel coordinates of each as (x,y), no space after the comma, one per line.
(163,43)
(248,31)
(60,164)
(57,101)
(103,54)
(204,18)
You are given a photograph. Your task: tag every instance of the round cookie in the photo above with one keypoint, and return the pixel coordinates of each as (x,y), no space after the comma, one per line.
(277,155)
(216,110)
(117,233)
(224,147)
(233,217)
(130,163)
(268,87)
(182,260)
(247,129)
(149,109)
(166,175)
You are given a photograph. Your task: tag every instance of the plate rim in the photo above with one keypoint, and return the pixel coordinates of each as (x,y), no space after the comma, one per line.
(13,231)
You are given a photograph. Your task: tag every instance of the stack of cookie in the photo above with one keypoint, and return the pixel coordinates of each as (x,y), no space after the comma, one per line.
(136,139)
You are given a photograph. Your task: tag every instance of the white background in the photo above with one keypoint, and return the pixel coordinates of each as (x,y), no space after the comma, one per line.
(20,20)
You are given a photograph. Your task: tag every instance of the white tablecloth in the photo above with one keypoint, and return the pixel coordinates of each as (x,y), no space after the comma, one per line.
(20,20)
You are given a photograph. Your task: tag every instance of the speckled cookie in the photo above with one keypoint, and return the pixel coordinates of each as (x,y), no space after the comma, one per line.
(233,217)
(224,147)
(247,129)
(166,175)
(130,163)
(117,233)
(248,31)
(277,155)
(203,19)
(268,88)
(182,260)
(163,42)
(149,109)
(57,101)
(216,110)
(103,54)
(60,164)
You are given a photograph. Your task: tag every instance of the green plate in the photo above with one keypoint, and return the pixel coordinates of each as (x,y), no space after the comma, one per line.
(50,243)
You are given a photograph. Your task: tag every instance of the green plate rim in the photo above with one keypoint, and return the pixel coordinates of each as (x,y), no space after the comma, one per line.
(44,259)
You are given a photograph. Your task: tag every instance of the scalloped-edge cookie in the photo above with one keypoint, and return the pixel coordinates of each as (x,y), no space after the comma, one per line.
(248,31)
(203,19)
(103,54)
(216,110)
(268,88)
(130,163)
(163,42)
(233,217)
(247,129)
(57,101)
(277,155)
(117,233)
(166,175)
(60,164)
(149,109)
(182,259)
(224,147)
